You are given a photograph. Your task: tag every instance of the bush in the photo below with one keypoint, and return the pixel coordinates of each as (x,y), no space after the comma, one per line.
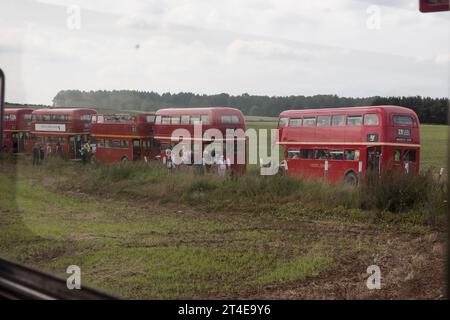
(396,191)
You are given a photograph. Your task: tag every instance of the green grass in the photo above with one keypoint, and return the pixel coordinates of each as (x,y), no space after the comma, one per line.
(147,253)
(139,231)
(434,146)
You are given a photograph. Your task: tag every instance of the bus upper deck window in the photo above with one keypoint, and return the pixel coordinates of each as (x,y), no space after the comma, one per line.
(403,120)
(150,119)
(158,120)
(185,119)
(165,120)
(175,120)
(234,119)
(195,119)
(205,119)
(371,120)
(309,121)
(354,120)
(338,120)
(323,121)
(295,122)
(283,122)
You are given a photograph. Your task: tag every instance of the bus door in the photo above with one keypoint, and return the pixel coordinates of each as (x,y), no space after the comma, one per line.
(136,149)
(21,142)
(373,160)
(74,147)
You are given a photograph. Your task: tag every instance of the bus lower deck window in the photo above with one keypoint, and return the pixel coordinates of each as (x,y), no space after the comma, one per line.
(307,153)
(397,155)
(351,155)
(337,155)
(409,155)
(321,154)
(293,153)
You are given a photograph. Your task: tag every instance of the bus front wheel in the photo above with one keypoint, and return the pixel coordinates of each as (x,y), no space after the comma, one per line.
(351,179)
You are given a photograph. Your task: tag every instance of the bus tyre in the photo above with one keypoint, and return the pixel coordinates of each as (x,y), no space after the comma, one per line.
(124,159)
(351,179)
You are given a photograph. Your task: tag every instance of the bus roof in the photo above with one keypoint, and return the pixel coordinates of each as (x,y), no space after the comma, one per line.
(348,110)
(18,110)
(64,111)
(198,111)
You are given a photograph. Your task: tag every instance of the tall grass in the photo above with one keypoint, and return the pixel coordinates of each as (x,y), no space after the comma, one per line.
(393,192)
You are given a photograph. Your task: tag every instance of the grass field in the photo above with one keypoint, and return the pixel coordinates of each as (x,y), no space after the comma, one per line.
(142,233)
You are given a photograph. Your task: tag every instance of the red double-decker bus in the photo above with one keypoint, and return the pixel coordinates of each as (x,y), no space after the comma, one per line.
(219,118)
(69,128)
(124,137)
(343,144)
(17,126)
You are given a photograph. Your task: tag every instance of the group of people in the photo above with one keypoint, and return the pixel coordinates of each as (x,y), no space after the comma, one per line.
(209,162)
(41,152)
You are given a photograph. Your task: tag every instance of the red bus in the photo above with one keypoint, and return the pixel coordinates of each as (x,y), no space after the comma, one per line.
(17,126)
(219,118)
(124,137)
(68,127)
(343,144)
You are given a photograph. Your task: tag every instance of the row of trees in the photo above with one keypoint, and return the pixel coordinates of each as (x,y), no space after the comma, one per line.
(429,110)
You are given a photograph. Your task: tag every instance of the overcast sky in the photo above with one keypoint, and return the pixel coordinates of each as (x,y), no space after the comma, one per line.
(277,47)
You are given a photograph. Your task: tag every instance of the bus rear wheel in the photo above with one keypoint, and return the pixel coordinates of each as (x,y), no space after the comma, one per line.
(124,159)
(351,179)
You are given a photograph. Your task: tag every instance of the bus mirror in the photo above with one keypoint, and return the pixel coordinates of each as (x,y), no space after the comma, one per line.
(2,100)
(434,5)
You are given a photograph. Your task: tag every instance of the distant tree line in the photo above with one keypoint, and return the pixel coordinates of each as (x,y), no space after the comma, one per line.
(429,110)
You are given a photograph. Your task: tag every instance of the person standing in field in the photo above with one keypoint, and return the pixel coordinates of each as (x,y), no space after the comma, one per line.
(167,160)
(88,151)
(221,166)
(48,151)
(83,154)
(59,152)
(41,152)
(35,151)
